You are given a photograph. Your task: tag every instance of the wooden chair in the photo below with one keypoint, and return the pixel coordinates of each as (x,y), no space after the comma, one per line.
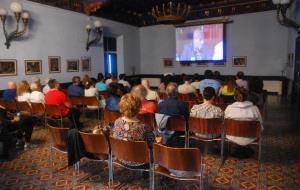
(98,145)
(133,151)
(178,124)
(110,117)
(59,142)
(206,127)
(148,119)
(52,112)
(76,101)
(2,103)
(184,159)
(247,129)
(103,94)
(24,108)
(190,104)
(187,97)
(11,105)
(38,109)
(92,103)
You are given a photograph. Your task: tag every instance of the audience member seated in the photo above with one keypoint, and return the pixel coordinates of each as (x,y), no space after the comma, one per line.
(227,91)
(23,91)
(186,88)
(57,97)
(217,76)
(209,81)
(75,89)
(114,94)
(123,81)
(109,79)
(151,94)
(46,87)
(165,81)
(85,79)
(256,92)
(20,125)
(36,80)
(11,92)
(129,128)
(36,96)
(240,80)
(90,90)
(101,86)
(141,92)
(196,81)
(244,110)
(207,110)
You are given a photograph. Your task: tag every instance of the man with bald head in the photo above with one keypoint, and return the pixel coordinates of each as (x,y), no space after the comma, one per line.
(11,92)
(151,94)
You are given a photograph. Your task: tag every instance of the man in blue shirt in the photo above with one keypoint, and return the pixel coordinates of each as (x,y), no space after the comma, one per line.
(209,82)
(10,93)
(75,89)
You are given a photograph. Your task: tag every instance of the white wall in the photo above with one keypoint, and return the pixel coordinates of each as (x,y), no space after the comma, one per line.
(257,36)
(58,32)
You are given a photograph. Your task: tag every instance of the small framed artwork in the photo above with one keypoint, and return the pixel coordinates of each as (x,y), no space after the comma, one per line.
(168,62)
(86,63)
(33,67)
(239,61)
(72,65)
(54,64)
(8,67)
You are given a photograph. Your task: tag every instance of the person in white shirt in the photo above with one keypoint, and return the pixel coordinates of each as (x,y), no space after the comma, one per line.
(36,96)
(151,94)
(196,81)
(123,81)
(90,91)
(23,91)
(186,88)
(245,111)
(240,81)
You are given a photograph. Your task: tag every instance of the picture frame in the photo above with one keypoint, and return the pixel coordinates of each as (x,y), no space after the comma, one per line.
(86,63)
(239,61)
(8,67)
(54,63)
(168,62)
(73,65)
(33,67)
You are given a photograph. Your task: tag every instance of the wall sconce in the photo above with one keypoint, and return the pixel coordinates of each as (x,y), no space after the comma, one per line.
(282,7)
(97,31)
(19,13)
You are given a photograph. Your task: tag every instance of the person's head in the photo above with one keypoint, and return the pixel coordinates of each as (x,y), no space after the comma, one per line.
(139,91)
(209,93)
(85,77)
(196,77)
(146,83)
(167,79)
(217,75)
(198,38)
(36,80)
(88,84)
(100,77)
(11,85)
(256,85)
(35,87)
(53,84)
(208,74)
(186,79)
(241,95)
(230,84)
(46,81)
(240,75)
(113,89)
(172,90)
(76,80)
(122,76)
(23,87)
(130,105)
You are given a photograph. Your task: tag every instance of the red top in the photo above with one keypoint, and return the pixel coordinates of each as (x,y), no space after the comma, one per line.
(148,107)
(56,97)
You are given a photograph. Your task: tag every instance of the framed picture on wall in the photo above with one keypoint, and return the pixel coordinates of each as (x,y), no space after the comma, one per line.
(54,64)
(8,67)
(72,65)
(33,67)
(86,63)
(168,62)
(239,61)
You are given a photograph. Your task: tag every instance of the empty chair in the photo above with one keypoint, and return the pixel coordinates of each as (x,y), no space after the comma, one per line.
(246,129)
(168,159)
(110,117)
(148,119)
(24,108)
(92,103)
(131,151)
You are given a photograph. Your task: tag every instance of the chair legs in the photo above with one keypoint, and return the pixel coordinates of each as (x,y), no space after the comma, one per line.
(110,170)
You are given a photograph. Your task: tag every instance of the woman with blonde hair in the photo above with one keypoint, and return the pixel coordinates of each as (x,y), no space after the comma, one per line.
(36,95)
(23,91)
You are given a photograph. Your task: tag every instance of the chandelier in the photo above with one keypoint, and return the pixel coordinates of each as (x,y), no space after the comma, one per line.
(171,12)
(90,6)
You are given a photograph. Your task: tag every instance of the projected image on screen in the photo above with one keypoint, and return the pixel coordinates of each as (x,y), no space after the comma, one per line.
(200,43)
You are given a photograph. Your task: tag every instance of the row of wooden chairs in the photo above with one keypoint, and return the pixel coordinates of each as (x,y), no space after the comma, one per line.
(160,160)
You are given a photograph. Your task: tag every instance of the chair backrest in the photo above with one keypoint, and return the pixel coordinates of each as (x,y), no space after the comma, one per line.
(185,159)
(148,119)
(190,104)
(37,108)
(53,111)
(186,97)
(163,96)
(206,126)
(91,101)
(176,123)
(103,93)
(95,143)
(111,117)
(76,101)
(59,137)
(11,105)
(24,108)
(2,103)
(134,151)
(237,128)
